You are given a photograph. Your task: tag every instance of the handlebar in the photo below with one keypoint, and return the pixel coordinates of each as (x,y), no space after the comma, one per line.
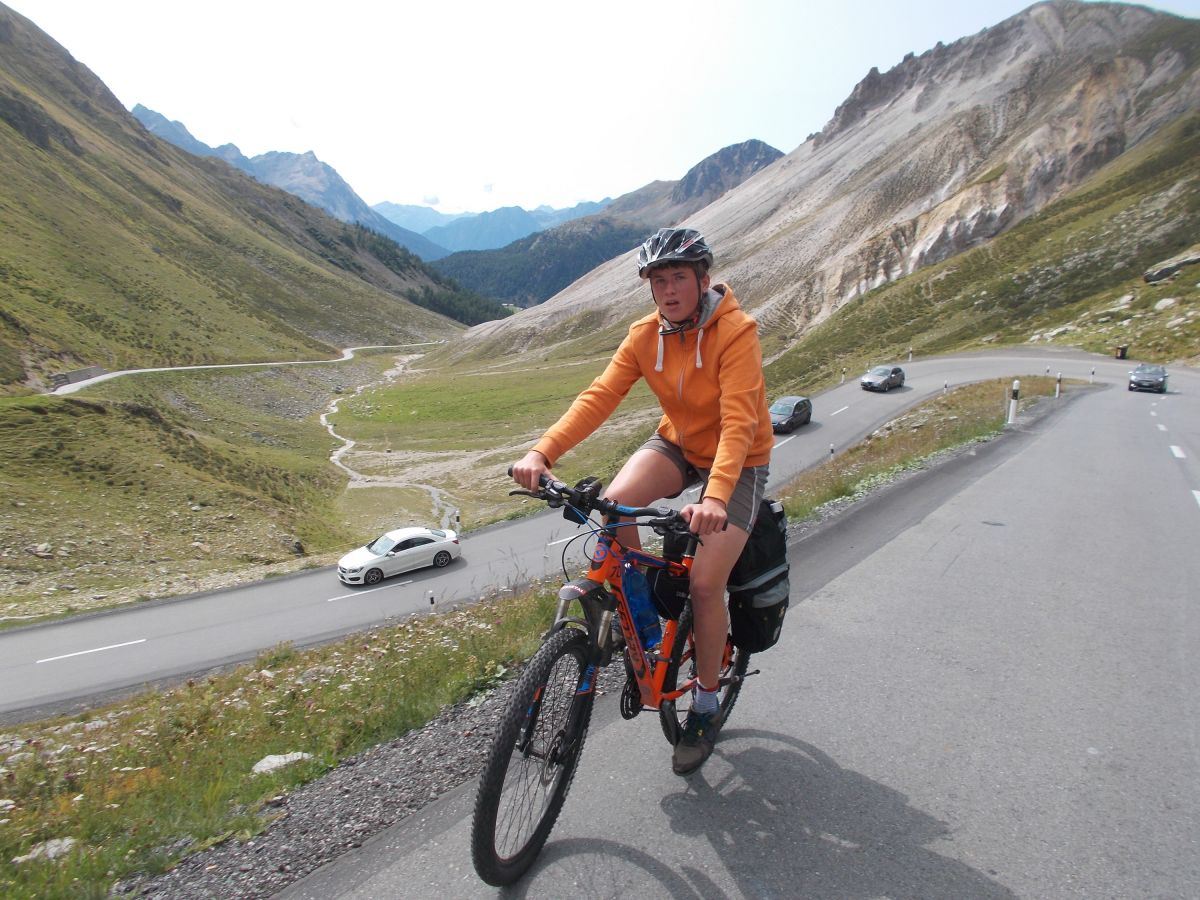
(585,498)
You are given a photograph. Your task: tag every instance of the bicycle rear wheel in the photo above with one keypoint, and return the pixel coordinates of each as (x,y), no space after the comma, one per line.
(682,666)
(532,760)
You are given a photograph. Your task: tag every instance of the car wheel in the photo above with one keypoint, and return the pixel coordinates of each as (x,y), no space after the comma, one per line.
(442,559)
(373,576)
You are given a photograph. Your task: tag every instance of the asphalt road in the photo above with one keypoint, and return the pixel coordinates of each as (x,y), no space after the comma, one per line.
(990,690)
(76,663)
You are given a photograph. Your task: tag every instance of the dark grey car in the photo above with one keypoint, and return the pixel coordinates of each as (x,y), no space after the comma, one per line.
(788,413)
(1148,377)
(883,378)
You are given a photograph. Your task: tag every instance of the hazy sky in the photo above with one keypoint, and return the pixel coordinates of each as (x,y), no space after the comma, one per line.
(469,105)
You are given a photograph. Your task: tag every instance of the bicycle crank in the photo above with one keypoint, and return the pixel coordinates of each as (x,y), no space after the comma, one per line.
(631,699)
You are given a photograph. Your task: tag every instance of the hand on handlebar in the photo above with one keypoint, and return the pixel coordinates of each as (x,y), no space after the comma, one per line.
(706,517)
(529,470)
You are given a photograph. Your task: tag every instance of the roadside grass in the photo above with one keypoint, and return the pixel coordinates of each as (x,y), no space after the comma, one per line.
(139,784)
(142,783)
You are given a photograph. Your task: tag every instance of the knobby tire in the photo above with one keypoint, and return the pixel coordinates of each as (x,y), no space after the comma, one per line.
(532,761)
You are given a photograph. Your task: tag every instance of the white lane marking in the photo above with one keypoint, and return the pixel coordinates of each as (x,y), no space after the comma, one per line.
(784,441)
(562,540)
(1153,413)
(843,409)
(1161,427)
(1196,494)
(1178,451)
(370,591)
(93,650)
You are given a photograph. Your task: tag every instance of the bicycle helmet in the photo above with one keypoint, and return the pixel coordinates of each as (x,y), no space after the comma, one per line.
(674,247)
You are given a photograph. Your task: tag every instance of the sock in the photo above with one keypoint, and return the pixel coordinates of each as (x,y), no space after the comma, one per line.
(705,701)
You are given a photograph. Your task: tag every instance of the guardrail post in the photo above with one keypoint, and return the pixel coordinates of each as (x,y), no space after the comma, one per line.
(1012,405)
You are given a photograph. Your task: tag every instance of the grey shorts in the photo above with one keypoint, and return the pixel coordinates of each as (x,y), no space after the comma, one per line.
(751,487)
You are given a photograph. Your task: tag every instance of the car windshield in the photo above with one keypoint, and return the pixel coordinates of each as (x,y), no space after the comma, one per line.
(781,407)
(381,544)
(880,370)
(1148,370)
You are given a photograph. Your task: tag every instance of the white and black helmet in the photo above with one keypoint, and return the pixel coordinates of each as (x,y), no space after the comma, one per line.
(674,247)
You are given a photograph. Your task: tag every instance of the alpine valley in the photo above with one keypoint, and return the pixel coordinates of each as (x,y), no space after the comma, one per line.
(1011,187)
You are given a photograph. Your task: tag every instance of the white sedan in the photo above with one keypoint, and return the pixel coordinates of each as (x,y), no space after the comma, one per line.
(398,551)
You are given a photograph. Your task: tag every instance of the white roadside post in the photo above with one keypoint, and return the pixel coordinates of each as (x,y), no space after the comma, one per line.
(831,451)
(1058,386)
(1012,404)
(910,354)
(945,386)
(843,374)
(432,605)
(1093,378)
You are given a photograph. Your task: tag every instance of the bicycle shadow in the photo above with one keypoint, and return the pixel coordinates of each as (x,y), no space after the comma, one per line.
(792,822)
(782,819)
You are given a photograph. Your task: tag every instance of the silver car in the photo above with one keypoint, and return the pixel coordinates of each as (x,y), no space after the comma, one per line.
(398,551)
(883,378)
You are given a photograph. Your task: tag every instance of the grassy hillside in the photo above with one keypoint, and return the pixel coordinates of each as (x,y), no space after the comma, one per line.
(148,485)
(1070,276)
(119,250)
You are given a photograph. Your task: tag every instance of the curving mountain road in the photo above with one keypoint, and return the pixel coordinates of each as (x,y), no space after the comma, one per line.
(74,663)
(990,691)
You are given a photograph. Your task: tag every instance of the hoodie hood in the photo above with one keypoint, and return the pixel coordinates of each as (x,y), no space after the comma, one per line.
(707,311)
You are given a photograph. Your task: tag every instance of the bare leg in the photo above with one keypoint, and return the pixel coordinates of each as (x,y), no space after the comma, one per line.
(710,574)
(646,476)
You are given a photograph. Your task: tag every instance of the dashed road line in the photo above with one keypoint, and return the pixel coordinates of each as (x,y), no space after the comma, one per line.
(368,591)
(1178,451)
(93,650)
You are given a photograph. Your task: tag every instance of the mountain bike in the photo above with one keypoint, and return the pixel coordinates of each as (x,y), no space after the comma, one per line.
(540,735)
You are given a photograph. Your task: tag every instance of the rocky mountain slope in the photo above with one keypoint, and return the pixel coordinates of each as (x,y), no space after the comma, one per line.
(301,174)
(119,250)
(940,154)
(530,270)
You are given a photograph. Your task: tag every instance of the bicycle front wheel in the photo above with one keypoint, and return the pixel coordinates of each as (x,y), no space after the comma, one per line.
(532,760)
(681,667)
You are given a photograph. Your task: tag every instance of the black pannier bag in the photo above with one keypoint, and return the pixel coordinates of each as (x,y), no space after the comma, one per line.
(759,586)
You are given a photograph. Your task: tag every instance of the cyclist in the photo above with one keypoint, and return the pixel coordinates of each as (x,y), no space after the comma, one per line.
(700,354)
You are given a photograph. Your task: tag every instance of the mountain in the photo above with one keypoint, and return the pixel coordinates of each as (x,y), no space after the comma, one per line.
(485,230)
(532,269)
(119,250)
(939,155)
(416,218)
(301,174)
(481,232)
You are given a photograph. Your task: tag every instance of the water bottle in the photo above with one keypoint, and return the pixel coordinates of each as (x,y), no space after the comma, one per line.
(641,607)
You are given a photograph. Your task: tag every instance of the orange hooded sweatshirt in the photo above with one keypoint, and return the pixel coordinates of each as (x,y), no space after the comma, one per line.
(708,380)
